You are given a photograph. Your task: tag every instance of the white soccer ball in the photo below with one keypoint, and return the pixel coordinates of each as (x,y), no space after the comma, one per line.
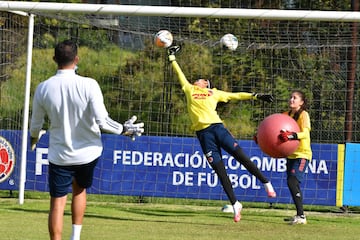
(163,39)
(229,41)
(227,208)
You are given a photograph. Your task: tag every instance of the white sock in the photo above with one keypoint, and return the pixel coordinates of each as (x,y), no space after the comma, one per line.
(268,186)
(76,231)
(237,206)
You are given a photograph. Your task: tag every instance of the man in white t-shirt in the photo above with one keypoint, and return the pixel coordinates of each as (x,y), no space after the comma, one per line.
(75,107)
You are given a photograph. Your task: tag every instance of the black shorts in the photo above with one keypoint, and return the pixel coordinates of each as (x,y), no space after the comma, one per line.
(61,177)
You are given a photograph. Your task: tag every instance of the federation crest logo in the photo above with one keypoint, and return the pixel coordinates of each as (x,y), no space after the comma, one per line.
(7,159)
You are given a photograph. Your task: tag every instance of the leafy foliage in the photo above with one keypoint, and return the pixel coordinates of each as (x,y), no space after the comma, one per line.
(273,57)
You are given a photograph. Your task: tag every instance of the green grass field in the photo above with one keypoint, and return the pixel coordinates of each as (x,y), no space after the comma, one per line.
(117,217)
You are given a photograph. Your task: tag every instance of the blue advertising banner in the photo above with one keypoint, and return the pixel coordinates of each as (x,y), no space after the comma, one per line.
(175,167)
(351,191)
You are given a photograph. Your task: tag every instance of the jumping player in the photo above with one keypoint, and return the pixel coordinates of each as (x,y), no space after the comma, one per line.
(210,131)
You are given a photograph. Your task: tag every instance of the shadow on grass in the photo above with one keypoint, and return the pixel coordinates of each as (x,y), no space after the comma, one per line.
(146,213)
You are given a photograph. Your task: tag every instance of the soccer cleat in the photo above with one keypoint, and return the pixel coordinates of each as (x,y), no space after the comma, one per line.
(237,211)
(298,220)
(270,190)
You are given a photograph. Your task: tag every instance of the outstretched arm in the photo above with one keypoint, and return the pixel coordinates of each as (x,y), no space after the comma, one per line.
(108,125)
(129,128)
(226,96)
(263,97)
(181,76)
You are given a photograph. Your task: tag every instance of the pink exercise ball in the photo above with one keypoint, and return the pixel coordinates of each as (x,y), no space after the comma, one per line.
(268,135)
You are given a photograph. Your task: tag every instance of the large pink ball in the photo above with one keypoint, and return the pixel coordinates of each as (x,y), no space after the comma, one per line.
(268,135)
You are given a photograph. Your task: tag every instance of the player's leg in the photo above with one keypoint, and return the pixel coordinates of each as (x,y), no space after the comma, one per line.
(296,194)
(78,207)
(56,215)
(220,171)
(83,178)
(212,152)
(295,171)
(213,155)
(231,146)
(60,179)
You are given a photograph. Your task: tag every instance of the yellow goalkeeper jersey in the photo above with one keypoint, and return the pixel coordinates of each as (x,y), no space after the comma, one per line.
(304,149)
(202,102)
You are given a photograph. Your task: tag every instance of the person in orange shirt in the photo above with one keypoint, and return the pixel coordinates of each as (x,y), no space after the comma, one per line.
(210,131)
(298,161)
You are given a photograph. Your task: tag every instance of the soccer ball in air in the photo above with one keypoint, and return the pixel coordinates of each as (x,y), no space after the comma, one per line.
(229,41)
(163,39)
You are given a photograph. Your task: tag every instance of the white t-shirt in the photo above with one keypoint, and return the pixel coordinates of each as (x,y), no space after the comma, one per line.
(75,107)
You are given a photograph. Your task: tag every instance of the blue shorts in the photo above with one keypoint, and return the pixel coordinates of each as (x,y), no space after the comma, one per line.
(61,177)
(296,167)
(214,138)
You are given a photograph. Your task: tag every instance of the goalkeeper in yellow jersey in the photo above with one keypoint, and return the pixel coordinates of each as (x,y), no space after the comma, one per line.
(213,136)
(298,161)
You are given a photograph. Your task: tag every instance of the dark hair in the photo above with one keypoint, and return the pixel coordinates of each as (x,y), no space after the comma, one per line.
(302,107)
(65,53)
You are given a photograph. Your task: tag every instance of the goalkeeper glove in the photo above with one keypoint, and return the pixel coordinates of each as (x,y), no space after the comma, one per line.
(172,51)
(263,97)
(286,135)
(35,140)
(133,129)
